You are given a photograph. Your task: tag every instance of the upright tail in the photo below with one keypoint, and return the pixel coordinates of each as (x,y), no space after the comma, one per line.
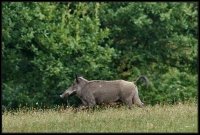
(144,78)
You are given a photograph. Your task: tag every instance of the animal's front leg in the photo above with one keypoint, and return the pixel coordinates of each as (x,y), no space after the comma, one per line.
(83,105)
(90,100)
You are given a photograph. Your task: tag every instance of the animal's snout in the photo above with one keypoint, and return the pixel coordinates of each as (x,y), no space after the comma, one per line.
(64,95)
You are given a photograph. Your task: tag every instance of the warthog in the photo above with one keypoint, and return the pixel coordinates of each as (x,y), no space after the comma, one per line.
(99,91)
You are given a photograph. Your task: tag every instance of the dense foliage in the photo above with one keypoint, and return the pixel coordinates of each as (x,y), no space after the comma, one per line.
(45,43)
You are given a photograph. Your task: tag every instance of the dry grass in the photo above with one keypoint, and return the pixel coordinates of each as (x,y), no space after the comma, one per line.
(167,118)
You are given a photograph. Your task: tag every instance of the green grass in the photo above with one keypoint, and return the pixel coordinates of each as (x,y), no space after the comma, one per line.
(158,118)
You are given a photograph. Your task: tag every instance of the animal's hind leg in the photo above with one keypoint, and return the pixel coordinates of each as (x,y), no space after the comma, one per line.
(137,100)
(128,101)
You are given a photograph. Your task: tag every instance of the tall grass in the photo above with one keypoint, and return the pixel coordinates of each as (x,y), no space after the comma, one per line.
(158,118)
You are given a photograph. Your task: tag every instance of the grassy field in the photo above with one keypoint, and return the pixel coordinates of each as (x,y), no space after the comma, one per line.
(158,118)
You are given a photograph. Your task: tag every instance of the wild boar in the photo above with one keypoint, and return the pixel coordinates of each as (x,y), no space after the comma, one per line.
(99,91)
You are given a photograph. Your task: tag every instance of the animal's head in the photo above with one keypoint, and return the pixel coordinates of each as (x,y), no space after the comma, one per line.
(77,85)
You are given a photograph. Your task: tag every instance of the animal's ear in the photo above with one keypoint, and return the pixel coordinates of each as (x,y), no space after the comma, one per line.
(76,78)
